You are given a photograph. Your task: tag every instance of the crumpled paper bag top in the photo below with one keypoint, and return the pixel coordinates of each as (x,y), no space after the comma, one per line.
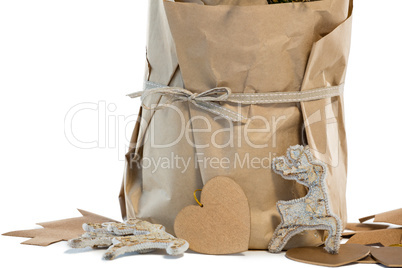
(256,48)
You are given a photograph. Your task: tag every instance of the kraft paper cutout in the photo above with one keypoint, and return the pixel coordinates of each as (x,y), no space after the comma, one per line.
(393,217)
(385,237)
(362,227)
(348,234)
(389,256)
(318,256)
(131,236)
(358,227)
(311,212)
(368,260)
(222,224)
(60,230)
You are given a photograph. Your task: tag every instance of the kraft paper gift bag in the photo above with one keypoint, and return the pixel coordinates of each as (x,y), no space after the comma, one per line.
(249,47)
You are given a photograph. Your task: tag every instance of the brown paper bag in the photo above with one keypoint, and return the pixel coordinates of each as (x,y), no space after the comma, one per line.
(249,47)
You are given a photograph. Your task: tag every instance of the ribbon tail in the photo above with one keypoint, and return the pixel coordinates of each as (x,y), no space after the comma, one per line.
(135,94)
(221,111)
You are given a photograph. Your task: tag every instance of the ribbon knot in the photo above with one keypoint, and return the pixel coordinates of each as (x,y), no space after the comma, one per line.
(192,97)
(214,94)
(207,100)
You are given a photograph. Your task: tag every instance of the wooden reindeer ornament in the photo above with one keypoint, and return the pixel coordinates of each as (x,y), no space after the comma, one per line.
(311,212)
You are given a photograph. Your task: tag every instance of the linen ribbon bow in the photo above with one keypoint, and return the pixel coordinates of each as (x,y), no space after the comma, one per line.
(206,100)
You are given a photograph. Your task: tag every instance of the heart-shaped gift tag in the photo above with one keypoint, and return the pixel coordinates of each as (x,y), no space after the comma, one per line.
(222,224)
(389,256)
(348,253)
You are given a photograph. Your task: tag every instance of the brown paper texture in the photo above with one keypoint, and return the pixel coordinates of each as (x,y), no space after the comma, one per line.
(359,227)
(393,217)
(385,237)
(222,224)
(389,257)
(368,260)
(318,256)
(248,46)
(60,230)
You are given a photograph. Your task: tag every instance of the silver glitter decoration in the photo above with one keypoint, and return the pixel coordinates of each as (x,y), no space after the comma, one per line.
(311,212)
(131,236)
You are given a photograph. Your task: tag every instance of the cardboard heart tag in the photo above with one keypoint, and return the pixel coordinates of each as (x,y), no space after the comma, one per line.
(368,260)
(222,224)
(348,253)
(389,256)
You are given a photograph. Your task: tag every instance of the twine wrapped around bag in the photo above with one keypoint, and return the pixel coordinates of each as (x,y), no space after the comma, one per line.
(201,56)
(209,100)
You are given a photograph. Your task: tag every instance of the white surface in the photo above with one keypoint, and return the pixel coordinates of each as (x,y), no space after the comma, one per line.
(55,54)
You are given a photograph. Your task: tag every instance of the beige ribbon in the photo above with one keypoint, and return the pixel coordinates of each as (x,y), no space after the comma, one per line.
(210,100)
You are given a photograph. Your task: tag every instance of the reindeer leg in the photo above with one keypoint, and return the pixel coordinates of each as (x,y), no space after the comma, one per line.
(177,247)
(332,243)
(333,226)
(280,238)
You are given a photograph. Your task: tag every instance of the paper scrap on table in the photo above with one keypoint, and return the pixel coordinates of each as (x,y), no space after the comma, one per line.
(393,217)
(60,230)
(386,237)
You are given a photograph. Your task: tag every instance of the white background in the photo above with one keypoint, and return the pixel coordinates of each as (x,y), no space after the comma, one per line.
(56,54)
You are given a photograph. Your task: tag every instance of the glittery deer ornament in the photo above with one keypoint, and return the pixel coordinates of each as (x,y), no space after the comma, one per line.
(311,212)
(133,235)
